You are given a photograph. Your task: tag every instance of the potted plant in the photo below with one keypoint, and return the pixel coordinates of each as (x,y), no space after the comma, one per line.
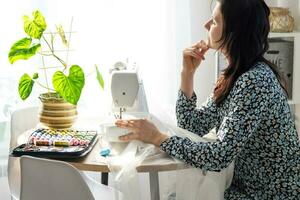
(59,102)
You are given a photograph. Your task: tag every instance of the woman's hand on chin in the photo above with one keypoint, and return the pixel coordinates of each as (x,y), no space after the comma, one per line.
(193,56)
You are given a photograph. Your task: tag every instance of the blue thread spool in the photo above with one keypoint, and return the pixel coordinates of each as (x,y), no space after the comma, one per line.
(105,152)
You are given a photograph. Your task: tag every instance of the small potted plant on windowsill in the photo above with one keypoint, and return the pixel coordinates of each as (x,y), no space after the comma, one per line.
(58,103)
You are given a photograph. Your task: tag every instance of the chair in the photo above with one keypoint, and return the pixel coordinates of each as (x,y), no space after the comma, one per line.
(21,120)
(52,179)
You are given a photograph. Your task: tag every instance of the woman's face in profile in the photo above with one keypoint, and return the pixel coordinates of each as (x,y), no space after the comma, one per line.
(215,28)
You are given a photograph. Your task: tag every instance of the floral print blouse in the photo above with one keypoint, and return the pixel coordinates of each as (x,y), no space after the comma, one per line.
(254,128)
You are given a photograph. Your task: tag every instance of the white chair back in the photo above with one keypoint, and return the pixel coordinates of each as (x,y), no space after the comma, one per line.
(21,120)
(51,179)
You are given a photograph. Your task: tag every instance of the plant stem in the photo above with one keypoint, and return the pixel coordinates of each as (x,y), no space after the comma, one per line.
(43,54)
(50,67)
(52,39)
(45,73)
(58,50)
(60,60)
(53,54)
(54,33)
(48,44)
(69,41)
(44,86)
(91,73)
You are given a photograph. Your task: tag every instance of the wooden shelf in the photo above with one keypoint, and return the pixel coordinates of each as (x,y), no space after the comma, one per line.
(281,35)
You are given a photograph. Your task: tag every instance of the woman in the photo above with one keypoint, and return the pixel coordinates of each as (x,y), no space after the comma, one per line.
(248,108)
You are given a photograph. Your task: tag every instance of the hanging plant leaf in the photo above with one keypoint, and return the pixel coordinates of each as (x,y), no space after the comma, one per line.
(62,35)
(36,26)
(69,87)
(22,50)
(99,77)
(35,76)
(25,86)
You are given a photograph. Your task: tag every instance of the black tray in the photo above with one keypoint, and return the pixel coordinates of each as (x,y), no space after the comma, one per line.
(55,151)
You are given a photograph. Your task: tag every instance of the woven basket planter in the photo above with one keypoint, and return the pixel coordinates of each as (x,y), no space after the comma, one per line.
(55,112)
(281,20)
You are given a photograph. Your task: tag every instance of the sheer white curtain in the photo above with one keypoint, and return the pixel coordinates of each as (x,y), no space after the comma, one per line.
(9,12)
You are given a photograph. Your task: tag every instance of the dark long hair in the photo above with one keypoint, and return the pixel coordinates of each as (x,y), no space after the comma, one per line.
(245,38)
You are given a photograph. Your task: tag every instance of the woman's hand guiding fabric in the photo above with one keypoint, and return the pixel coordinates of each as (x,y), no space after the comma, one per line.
(141,129)
(193,56)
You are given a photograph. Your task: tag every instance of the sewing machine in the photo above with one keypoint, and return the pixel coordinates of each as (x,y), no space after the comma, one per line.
(128,99)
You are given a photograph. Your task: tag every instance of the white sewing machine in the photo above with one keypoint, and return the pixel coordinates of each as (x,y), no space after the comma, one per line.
(129,99)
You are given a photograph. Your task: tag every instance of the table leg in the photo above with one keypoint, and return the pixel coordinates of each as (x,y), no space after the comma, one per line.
(154,185)
(104,178)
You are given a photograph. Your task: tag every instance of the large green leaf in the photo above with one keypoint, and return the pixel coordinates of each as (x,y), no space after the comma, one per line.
(25,86)
(36,26)
(22,49)
(69,87)
(99,77)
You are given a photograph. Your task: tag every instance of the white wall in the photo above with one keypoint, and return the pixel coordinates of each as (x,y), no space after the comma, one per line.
(294,7)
